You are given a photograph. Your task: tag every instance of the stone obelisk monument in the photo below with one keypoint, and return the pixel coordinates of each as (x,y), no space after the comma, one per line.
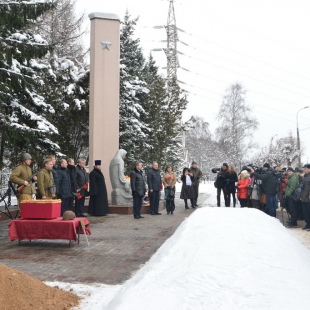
(104,91)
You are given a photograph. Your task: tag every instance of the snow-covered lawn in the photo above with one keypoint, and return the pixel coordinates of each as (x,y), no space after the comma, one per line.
(219,258)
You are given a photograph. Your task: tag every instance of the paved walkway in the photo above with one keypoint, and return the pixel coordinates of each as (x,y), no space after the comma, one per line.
(119,245)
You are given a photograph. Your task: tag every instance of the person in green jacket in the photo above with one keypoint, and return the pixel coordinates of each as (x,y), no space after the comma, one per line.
(46,186)
(291,185)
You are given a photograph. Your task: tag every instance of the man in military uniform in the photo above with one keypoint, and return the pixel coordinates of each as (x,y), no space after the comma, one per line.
(46,185)
(22,176)
(196,172)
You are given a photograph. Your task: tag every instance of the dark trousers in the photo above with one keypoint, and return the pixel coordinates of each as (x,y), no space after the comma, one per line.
(293,210)
(154,202)
(233,194)
(243,202)
(196,190)
(192,202)
(219,196)
(271,204)
(306,212)
(66,204)
(79,206)
(137,205)
(170,206)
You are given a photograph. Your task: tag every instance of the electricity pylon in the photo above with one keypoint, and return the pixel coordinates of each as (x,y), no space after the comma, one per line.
(171,50)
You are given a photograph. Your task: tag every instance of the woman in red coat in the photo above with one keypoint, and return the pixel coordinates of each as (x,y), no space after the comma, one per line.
(244,180)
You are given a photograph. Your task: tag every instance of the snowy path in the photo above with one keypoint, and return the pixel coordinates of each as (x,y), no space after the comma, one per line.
(219,258)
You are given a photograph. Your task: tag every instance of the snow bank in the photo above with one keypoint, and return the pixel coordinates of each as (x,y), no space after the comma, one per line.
(223,258)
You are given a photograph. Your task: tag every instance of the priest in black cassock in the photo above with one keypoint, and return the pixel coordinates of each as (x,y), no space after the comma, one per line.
(98,202)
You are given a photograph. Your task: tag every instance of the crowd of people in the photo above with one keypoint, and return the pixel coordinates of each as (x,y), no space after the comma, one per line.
(262,188)
(266,188)
(69,182)
(155,183)
(72,184)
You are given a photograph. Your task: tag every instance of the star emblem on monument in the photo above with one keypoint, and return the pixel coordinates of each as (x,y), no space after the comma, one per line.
(106,45)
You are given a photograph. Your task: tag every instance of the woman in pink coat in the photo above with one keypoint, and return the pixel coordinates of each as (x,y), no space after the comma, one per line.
(244,180)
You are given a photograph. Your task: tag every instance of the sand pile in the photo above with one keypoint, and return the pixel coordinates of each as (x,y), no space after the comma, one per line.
(20,291)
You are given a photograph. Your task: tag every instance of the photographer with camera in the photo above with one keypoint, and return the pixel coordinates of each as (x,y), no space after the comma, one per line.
(270,187)
(291,185)
(220,183)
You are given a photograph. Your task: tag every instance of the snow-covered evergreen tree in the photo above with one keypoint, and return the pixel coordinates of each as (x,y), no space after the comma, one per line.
(133,130)
(23,111)
(153,104)
(66,88)
(172,122)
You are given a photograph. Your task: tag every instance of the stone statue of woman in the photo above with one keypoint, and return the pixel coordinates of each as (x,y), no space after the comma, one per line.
(121,193)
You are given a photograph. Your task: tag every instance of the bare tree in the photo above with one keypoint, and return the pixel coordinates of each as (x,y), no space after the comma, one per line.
(283,153)
(63,29)
(237,125)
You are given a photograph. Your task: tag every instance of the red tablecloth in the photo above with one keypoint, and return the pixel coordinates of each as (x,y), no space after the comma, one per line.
(23,229)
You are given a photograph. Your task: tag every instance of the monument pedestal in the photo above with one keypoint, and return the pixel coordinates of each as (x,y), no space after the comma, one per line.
(128,209)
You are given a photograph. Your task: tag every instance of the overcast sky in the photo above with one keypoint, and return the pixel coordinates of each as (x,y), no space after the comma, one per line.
(264,45)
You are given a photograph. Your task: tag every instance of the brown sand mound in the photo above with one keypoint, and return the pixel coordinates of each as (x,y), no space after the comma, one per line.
(22,292)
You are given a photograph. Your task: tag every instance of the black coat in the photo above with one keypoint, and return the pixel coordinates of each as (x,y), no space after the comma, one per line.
(221,179)
(154,180)
(187,192)
(55,177)
(72,173)
(305,192)
(81,179)
(64,183)
(269,181)
(98,202)
(231,178)
(137,183)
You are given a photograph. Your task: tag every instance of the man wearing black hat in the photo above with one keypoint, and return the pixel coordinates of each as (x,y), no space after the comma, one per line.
(98,201)
(196,172)
(221,184)
(305,196)
(270,187)
(291,185)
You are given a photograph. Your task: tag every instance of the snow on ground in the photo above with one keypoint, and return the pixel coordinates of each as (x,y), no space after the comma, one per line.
(222,258)
(218,259)
(94,296)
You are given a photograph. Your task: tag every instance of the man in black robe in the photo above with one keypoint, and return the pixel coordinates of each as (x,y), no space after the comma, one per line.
(98,202)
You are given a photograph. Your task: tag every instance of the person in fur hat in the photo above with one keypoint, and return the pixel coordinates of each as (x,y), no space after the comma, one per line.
(244,180)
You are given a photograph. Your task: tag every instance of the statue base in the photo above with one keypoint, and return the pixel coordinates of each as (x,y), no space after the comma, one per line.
(128,209)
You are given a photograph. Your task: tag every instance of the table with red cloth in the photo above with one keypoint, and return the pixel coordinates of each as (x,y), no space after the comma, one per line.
(25,229)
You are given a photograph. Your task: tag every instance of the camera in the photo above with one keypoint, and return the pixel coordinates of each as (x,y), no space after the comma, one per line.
(256,169)
(215,170)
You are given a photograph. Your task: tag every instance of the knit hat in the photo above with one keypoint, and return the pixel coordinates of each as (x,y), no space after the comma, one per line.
(97,162)
(194,162)
(290,169)
(307,166)
(266,165)
(225,164)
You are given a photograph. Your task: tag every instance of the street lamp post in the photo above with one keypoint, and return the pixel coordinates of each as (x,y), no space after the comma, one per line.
(298,140)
